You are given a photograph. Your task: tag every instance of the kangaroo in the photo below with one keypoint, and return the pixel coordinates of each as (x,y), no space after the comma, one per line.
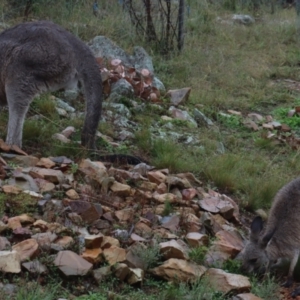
(280,239)
(41,56)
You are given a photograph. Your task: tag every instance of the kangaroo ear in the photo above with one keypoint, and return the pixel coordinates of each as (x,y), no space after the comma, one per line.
(256,227)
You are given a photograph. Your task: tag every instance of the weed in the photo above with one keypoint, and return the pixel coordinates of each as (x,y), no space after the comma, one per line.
(232,266)
(266,289)
(168,208)
(149,256)
(34,291)
(197,254)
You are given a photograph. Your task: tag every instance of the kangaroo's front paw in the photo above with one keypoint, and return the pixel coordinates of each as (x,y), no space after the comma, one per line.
(296,292)
(288,283)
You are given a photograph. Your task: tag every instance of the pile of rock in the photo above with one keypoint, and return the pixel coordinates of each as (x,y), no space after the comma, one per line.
(112,215)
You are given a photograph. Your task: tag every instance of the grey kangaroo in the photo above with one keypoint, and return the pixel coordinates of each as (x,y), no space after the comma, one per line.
(36,57)
(280,239)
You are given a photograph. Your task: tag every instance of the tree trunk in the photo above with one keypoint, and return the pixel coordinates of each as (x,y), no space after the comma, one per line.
(180,38)
(150,30)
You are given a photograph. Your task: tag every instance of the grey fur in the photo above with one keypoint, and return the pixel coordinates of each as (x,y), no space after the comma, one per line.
(280,239)
(36,57)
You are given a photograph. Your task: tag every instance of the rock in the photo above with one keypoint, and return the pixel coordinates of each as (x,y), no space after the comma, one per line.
(124,214)
(10,262)
(121,88)
(93,256)
(114,254)
(175,181)
(133,259)
(95,170)
(102,273)
(156,177)
(64,105)
(71,263)
(243,19)
(149,186)
(109,241)
(44,185)
(201,119)
(179,270)
(227,282)
(68,131)
(134,237)
(72,194)
(135,276)
(178,97)
(11,189)
(189,194)
(172,223)
(9,289)
(58,136)
(93,241)
(4,243)
(172,249)
(159,85)
(22,161)
(14,223)
(196,239)
(216,205)
(120,189)
(162,198)
(54,176)
(45,239)
(64,242)
(26,249)
(89,212)
(247,296)
(121,271)
(182,115)
(35,267)
(45,163)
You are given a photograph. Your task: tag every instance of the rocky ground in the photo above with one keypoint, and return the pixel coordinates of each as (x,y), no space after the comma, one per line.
(99,220)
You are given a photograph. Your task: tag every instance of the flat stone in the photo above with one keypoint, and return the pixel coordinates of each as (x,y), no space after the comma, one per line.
(10,262)
(11,189)
(109,241)
(45,163)
(196,239)
(135,275)
(162,198)
(64,241)
(45,239)
(114,255)
(71,263)
(227,282)
(93,241)
(247,296)
(4,243)
(95,170)
(179,270)
(121,271)
(54,176)
(35,267)
(26,249)
(14,223)
(93,256)
(124,214)
(156,177)
(121,189)
(179,96)
(172,249)
(72,194)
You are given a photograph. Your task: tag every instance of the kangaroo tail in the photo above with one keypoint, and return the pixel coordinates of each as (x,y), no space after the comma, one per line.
(91,78)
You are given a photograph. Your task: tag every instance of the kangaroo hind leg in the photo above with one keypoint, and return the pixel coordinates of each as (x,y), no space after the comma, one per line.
(18,99)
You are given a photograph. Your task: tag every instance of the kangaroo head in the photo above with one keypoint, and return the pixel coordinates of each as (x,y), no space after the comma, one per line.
(254,255)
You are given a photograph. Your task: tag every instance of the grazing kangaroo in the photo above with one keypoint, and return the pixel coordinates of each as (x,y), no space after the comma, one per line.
(280,238)
(36,57)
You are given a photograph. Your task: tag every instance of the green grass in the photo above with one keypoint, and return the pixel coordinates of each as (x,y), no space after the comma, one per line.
(266,289)
(197,254)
